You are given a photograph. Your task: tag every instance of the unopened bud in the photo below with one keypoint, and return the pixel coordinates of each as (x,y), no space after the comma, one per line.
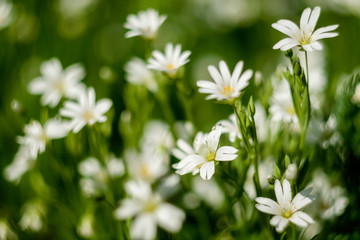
(291,172)
(270,179)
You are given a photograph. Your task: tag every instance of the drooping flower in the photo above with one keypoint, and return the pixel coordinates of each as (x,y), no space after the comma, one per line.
(86,111)
(56,83)
(149,210)
(137,73)
(206,155)
(33,217)
(6,232)
(169,62)
(305,36)
(286,209)
(226,87)
(5,14)
(145,24)
(36,136)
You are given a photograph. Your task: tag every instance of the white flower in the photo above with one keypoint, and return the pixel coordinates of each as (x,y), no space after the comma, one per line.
(115,167)
(56,83)
(145,24)
(157,139)
(22,163)
(291,172)
(286,209)
(33,216)
(231,127)
(137,73)
(282,108)
(149,211)
(5,14)
(169,62)
(227,87)
(86,226)
(6,233)
(145,166)
(265,169)
(206,155)
(86,111)
(305,37)
(209,192)
(37,136)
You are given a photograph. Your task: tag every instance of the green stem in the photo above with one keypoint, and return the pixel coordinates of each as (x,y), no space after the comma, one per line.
(307,68)
(165,107)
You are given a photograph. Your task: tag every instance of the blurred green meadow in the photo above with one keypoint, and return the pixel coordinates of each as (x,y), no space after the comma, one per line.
(92,32)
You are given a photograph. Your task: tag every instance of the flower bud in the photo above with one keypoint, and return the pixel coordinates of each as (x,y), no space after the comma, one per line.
(291,172)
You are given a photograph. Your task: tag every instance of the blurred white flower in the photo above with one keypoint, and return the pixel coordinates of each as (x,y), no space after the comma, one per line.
(331,200)
(74,9)
(169,62)
(86,111)
(94,177)
(137,73)
(282,108)
(115,166)
(209,192)
(286,209)
(36,136)
(227,87)
(33,215)
(291,172)
(89,167)
(149,211)
(231,127)
(145,24)
(305,37)
(6,233)
(261,122)
(265,169)
(22,163)
(6,11)
(86,226)
(56,83)
(207,154)
(157,139)
(356,96)
(145,166)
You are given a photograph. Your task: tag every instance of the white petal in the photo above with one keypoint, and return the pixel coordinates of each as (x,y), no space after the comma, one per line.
(282,225)
(301,219)
(128,208)
(314,18)
(287,192)
(214,73)
(102,106)
(225,73)
(283,29)
(267,205)
(316,46)
(170,217)
(143,227)
(305,18)
(207,170)
(302,199)
(284,42)
(226,153)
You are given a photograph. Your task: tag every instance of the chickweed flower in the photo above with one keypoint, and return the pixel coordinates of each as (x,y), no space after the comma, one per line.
(227,87)
(86,111)
(286,209)
(149,210)
(305,36)
(207,155)
(169,62)
(145,24)
(37,136)
(231,127)
(56,83)
(137,73)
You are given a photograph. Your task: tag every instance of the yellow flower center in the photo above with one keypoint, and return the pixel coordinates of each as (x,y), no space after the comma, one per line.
(227,91)
(305,38)
(211,156)
(60,87)
(150,206)
(286,213)
(290,110)
(88,115)
(170,66)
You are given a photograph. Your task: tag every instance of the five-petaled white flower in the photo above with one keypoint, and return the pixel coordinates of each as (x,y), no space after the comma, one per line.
(145,24)
(286,209)
(137,73)
(227,87)
(56,83)
(86,111)
(149,210)
(169,62)
(37,136)
(206,155)
(305,36)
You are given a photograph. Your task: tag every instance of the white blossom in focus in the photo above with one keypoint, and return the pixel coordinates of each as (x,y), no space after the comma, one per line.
(36,136)
(170,61)
(144,24)
(137,73)
(206,155)
(6,12)
(305,36)
(148,210)
(56,83)
(86,111)
(226,86)
(286,209)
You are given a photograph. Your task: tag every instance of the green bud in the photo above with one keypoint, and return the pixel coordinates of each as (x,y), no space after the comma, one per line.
(271,179)
(287,161)
(297,67)
(251,107)
(277,172)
